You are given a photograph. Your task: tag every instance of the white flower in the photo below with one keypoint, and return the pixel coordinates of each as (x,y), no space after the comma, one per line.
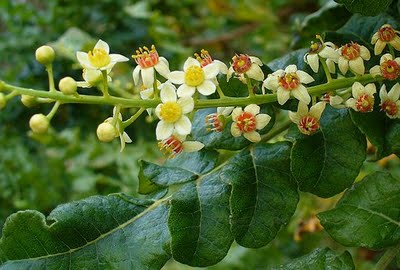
(205,59)
(363,97)
(92,78)
(307,120)
(353,55)
(195,77)
(172,112)
(322,49)
(388,68)
(390,102)
(335,101)
(176,144)
(244,64)
(248,121)
(217,121)
(148,61)
(386,34)
(99,58)
(288,81)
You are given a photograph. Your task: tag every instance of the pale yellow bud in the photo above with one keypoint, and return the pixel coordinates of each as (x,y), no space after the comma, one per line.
(39,123)
(3,101)
(28,101)
(67,85)
(106,132)
(45,55)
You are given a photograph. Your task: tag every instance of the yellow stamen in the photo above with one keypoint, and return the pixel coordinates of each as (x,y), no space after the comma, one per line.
(194,76)
(171,112)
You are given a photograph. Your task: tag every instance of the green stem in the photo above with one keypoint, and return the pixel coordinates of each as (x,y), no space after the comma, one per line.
(249,86)
(275,132)
(49,69)
(53,110)
(133,118)
(116,115)
(105,84)
(11,95)
(199,104)
(220,93)
(391,50)
(387,257)
(326,69)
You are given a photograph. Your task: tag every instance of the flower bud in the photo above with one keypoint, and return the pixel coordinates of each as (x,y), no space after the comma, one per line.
(39,123)
(67,85)
(45,55)
(106,132)
(3,101)
(28,101)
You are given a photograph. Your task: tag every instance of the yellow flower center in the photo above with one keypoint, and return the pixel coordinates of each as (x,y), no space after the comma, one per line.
(171,112)
(99,58)
(194,76)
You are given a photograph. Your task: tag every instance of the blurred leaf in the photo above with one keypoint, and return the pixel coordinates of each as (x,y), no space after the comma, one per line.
(366,7)
(392,138)
(368,214)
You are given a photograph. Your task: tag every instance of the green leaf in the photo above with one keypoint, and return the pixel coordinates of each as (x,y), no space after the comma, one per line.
(366,7)
(181,169)
(224,139)
(392,138)
(96,233)
(321,259)
(264,195)
(368,215)
(199,222)
(319,163)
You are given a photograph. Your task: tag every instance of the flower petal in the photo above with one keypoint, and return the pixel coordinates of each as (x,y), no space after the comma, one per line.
(317,109)
(343,65)
(256,60)
(192,146)
(206,88)
(291,69)
(253,136)
(236,113)
(253,109)
(162,68)
(235,131)
(351,103)
(262,120)
(396,43)
(357,66)
(83,59)
(302,94)
(176,77)
(375,38)
(146,93)
(222,67)
(282,95)
(313,62)
(304,77)
(302,109)
(383,95)
(379,46)
(168,93)
(255,73)
(370,89)
(135,75)
(375,71)
(329,53)
(331,66)
(186,103)
(164,130)
(394,93)
(357,90)
(271,83)
(211,71)
(183,126)
(185,90)
(118,58)
(190,62)
(148,76)
(364,53)
(102,45)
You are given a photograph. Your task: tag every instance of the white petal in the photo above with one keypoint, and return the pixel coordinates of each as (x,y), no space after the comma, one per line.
(211,71)
(294,117)
(343,65)
(313,61)
(329,53)
(185,90)
(190,62)
(164,130)
(176,77)
(291,69)
(396,43)
(147,93)
(118,58)
(357,66)
(229,74)
(225,111)
(331,66)
(255,73)
(256,60)
(375,71)
(302,109)
(148,76)
(84,60)
(236,113)
(102,45)
(235,131)
(126,137)
(135,75)
(253,109)
(301,94)
(364,53)
(334,101)
(386,57)
(271,82)
(158,110)
(379,46)
(394,93)
(162,68)
(351,103)
(192,146)
(168,93)
(370,89)
(206,88)
(317,109)
(262,120)
(253,136)
(183,126)
(282,95)
(357,90)
(383,93)
(304,77)
(83,84)
(187,104)
(122,141)
(375,38)
(222,67)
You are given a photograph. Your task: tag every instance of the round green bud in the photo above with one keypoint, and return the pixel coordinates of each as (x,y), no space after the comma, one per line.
(39,123)
(67,85)
(106,132)
(28,101)
(45,55)
(3,101)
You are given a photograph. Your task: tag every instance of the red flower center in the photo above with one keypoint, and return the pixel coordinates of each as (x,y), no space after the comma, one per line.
(389,107)
(204,58)
(365,103)
(246,122)
(241,63)
(289,81)
(351,51)
(215,122)
(386,33)
(390,70)
(172,146)
(308,125)
(145,57)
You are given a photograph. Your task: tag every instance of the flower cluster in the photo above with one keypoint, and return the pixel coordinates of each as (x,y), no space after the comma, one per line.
(174,96)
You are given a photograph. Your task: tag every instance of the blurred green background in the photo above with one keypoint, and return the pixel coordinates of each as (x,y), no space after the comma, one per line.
(69,163)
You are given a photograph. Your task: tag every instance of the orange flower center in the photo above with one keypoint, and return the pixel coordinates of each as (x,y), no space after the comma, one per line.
(215,122)
(389,107)
(241,63)
(365,103)
(172,146)
(351,51)
(204,58)
(308,125)
(145,57)
(386,33)
(246,122)
(390,70)
(289,81)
